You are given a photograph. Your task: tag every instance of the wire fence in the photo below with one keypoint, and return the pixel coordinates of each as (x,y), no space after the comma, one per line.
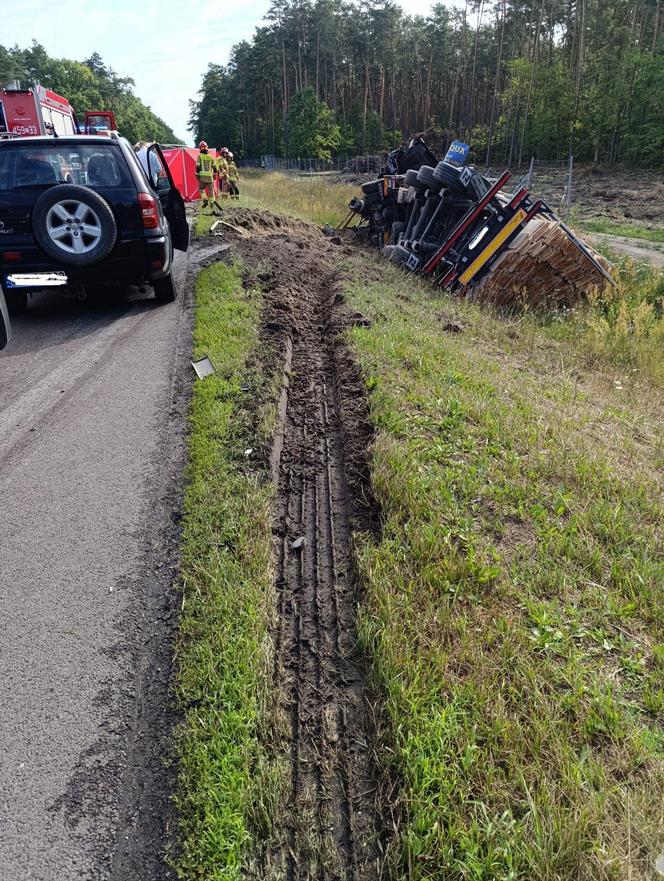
(550,180)
(369,165)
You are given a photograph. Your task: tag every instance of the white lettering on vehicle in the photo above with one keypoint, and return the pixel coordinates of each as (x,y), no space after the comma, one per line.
(25,130)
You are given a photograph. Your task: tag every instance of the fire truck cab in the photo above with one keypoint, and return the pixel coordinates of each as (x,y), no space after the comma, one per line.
(36,111)
(39,111)
(99,122)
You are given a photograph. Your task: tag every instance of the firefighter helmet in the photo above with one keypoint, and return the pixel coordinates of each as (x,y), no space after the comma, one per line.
(203,145)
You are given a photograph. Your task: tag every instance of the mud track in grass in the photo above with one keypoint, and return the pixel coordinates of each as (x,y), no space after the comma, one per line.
(329,828)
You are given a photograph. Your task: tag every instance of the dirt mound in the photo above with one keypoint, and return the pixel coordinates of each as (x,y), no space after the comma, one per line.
(265,223)
(328,827)
(620,195)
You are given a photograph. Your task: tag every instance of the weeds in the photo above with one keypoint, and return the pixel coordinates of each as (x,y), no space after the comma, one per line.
(513,615)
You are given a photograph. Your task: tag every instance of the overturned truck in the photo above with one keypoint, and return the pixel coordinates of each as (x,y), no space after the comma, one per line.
(470,234)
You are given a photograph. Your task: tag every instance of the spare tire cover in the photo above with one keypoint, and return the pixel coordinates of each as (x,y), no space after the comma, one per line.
(74,225)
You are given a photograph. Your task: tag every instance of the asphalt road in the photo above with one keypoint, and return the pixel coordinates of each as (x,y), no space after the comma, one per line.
(92,423)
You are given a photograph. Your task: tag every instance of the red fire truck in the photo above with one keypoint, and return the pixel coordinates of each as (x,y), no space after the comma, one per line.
(39,111)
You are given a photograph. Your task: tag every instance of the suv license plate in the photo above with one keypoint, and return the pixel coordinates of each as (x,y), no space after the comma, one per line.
(36,279)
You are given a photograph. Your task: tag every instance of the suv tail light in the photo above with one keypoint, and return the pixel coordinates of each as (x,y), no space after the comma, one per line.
(149,213)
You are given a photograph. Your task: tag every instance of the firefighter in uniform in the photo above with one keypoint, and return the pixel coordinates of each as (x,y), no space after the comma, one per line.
(233,177)
(222,171)
(205,166)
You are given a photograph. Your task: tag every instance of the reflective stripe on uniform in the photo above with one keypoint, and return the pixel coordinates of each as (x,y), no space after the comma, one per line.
(206,163)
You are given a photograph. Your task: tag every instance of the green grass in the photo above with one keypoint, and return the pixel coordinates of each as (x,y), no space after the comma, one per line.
(313,199)
(630,231)
(513,607)
(226,590)
(514,611)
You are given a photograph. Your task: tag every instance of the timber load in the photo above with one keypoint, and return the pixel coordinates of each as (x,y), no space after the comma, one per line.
(542,267)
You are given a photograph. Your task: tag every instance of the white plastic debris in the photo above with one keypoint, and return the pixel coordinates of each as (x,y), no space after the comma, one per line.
(203,367)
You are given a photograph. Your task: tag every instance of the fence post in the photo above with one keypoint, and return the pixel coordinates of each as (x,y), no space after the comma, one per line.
(568,196)
(529,179)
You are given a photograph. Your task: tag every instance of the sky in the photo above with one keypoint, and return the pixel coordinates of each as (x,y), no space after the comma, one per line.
(164,45)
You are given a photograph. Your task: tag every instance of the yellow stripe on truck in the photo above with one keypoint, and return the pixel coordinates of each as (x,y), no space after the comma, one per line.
(491,249)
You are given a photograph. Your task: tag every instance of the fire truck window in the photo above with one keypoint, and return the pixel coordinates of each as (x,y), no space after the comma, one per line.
(101,123)
(3,120)
(58,121)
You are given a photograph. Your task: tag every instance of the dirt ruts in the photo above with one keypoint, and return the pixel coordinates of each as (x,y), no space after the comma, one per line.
(329,828)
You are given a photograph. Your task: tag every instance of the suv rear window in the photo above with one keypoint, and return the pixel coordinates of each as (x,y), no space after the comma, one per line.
(38,166)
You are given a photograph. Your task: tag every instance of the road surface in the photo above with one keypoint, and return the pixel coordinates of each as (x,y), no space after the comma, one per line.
(639,249)
(92,416)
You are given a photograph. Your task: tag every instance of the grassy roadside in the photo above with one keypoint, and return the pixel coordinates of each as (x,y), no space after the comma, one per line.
(630,231)
(514,612)
(513,615)
(226,591)
(309,199)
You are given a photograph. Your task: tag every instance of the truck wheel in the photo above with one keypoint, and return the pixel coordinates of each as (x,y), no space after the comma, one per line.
(448,175)
(165,290)
(373,186)
(74,225)
(426,176)
(17,302)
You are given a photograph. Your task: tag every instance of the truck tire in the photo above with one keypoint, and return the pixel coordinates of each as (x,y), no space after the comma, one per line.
(165,290)
(373,186)
(411,178)
(426,176)
(74,225)
(448,176)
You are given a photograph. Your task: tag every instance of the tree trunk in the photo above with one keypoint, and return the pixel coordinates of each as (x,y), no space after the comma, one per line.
(499,62)
(532,82)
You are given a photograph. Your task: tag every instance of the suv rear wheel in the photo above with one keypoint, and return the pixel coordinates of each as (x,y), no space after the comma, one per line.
(74,225)
(165,290)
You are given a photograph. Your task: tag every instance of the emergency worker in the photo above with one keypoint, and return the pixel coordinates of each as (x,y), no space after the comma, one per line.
(233,177)
(205,166)
(222,171)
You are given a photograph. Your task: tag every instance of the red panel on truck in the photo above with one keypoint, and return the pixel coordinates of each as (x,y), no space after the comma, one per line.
(20,113)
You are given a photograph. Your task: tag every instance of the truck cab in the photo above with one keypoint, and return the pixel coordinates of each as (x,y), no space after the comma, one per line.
(99,122)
